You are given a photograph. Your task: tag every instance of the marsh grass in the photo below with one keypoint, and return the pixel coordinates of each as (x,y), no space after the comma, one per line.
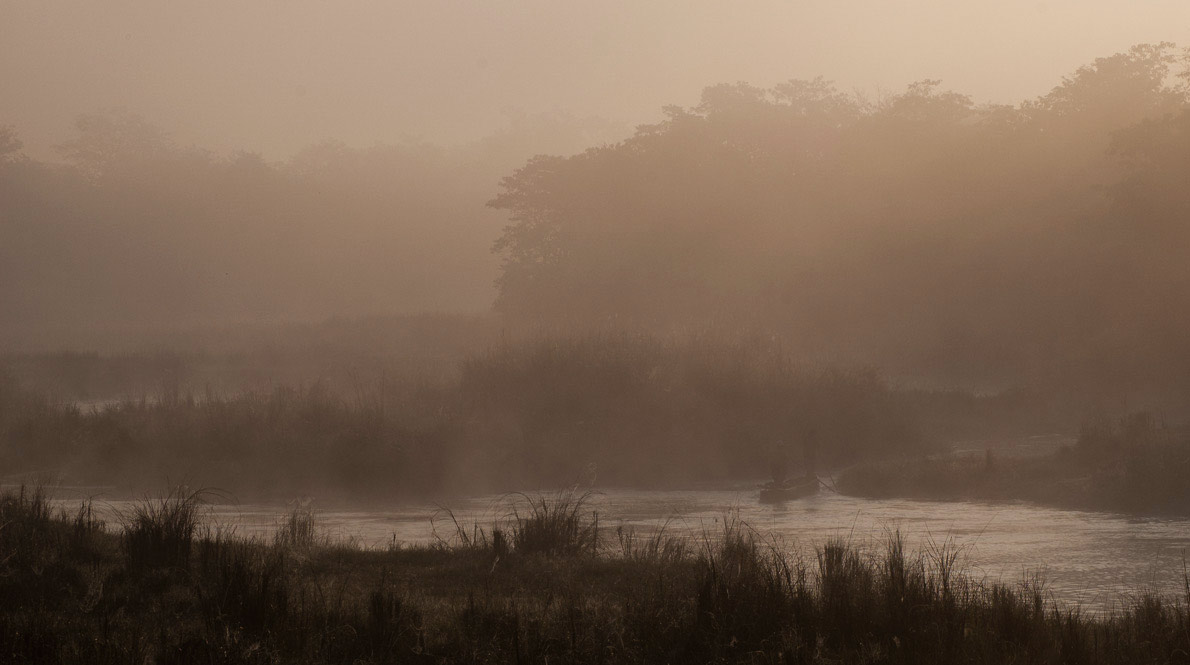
(735,596)
(536,412)
(657,547)
(159,531)
(25,518)
(299,528)
(463,536)
(554,525)
(558,524)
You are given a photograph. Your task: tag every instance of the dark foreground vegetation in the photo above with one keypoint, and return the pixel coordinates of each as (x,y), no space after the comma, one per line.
(546,585)
(1133,463)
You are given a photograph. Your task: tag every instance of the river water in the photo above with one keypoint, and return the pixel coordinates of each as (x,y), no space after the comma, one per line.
(1095,560)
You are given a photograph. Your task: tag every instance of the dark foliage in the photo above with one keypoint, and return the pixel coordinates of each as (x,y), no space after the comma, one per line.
(737,598)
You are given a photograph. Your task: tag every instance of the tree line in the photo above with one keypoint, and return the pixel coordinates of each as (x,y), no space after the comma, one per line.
(918,230)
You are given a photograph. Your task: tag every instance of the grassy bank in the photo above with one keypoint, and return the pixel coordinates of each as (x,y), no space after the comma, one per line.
(1132,463)
(544,586)
(640,410)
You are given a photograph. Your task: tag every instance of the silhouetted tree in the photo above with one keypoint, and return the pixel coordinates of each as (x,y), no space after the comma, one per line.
(920,230)
(10,145)
(113,138)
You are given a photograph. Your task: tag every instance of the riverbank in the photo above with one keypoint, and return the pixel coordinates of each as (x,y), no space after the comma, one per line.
(1127,465)
(630,409)
(1052,480)
(545,584)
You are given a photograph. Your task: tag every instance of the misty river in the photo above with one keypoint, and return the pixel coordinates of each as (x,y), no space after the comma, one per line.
(1091,559)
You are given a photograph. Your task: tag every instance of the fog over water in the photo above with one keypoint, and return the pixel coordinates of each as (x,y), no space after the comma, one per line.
(620,331)
(495,199)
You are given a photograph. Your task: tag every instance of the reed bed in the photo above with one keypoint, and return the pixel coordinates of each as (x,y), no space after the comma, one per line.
(632,409)
(735,596)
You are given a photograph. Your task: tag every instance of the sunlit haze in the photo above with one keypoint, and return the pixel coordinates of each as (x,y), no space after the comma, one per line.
(274,76)
(595,332)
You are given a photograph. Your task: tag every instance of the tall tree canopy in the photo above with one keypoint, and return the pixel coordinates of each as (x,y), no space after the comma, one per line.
(918,230)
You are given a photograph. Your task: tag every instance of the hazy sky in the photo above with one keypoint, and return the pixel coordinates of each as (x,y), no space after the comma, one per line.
(275,75)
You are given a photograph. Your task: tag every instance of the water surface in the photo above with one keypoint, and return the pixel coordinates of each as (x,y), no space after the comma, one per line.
(1093,559)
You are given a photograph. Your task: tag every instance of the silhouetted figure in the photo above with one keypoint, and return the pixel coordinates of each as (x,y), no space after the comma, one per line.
(810,453)
(779,466)
(782,487)
(585,480)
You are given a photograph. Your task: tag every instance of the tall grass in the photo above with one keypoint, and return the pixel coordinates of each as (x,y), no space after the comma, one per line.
(648,410)
(299,529)
(738,597)
(559,524)
(745,597)
(642,410)
(657,547)
(160,531)
(555,525)
(25,518)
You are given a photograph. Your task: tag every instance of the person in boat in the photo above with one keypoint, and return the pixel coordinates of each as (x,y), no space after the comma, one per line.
(810,453)
(784,488)
(779,467)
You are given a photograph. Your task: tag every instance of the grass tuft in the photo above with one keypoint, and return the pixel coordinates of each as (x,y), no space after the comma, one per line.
(159,532)
(299,530)
(555,525)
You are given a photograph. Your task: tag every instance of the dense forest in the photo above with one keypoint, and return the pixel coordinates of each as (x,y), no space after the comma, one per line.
(893,273)
(917,230)
(128,234)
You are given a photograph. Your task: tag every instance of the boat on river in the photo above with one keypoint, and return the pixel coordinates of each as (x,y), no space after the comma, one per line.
(789,490)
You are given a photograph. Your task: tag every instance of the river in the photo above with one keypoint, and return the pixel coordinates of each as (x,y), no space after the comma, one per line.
(1095,560)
